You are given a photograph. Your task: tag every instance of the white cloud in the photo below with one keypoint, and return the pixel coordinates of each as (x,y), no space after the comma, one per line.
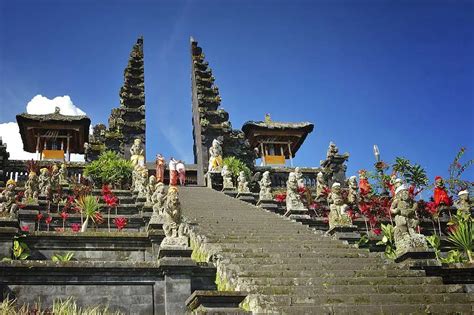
(42,105)
(10,133)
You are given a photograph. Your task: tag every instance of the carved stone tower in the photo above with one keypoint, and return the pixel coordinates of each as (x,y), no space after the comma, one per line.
(209,121)
(127,122)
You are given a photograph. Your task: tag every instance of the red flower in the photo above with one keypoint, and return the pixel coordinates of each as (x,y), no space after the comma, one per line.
(301,190)
(64,215)
(280,197)
(75,227)
(70,199)
(431,208)
(48,220)
(377,231)
(39,216)
(98,218)
(25,228)
(106,190)
(120,222)
(110,200)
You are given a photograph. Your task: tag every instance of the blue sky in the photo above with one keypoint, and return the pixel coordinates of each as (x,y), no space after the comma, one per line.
(399,74)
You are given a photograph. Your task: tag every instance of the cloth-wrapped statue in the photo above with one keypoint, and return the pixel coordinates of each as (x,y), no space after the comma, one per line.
(136,153)
(44,182)
(405,236)
(265,187)
(8,204)
(293,198)
(31,188)
(242,183)
(227,178)
(54,179)
(215,156)
(440,196)
(364,186)
(463,204)
(140,183)
(337,206)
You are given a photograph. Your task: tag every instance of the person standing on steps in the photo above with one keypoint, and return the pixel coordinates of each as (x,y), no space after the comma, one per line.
(173,172)
(160,168)
(181,172)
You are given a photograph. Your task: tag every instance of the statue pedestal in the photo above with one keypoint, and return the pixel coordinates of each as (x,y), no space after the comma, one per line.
(9,221)
(231,192)
(7,233)
(269,204)
(345,232)
(175,242)
(298,214)
(174,251)
(216,302)
(415,254)
(247,197)
(28,218)
(214,180)
(156,222)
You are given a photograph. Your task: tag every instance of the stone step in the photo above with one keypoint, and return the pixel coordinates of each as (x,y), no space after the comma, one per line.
(349,281)
(364,299)
(323,289)
(375,309)
(325,253)
(289,261)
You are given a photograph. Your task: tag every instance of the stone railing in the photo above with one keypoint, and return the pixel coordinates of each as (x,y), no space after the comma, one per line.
(16,169)
(279,176)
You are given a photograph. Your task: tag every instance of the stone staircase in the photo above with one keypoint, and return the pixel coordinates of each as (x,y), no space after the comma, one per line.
(288,268)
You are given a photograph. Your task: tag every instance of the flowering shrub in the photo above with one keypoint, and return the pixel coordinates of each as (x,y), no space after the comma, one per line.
(120,222)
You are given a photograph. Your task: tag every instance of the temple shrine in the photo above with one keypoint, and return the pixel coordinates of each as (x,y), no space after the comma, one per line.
(276,142)
(53,136)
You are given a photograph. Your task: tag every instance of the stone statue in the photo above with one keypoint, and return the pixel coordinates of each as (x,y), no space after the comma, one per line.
(87,151)
(141,181)
(63,178)
(321,187)
(136,152)
(160,168)
(31,188)
(364,185)
(44,182)
(158,198)
(299,177)
(8,204)
(173,225)
(54,179)
(293,198)
(353,196)
(242,183)
(332,150)
(215,156)
(227,178)
(463,204)
(337,207)
(265,187)
(150,189)
(404,208)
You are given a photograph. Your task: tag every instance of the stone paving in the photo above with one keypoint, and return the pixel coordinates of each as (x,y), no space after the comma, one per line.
(288,268)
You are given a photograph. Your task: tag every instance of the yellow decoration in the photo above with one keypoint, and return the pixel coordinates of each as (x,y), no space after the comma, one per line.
(11,182)
(53,154)
(274,159)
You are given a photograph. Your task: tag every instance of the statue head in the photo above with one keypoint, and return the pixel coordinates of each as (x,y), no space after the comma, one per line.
(11,184)
(44,171)
(266,174)
(242,174)
(152,180)
(402,192)
(55,168)
(464,195)
(297,169)
(439,182)
(353,179)
(160,187)
(31,175)
(173,196)
(292,177)
(137,141)
(63,166)
(362,174)
(215,143)
(336,187)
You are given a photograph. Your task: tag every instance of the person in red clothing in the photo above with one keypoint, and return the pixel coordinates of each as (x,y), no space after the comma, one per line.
(440,195)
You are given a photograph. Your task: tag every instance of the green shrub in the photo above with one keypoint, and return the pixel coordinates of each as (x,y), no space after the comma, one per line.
(235,166)
(110,168)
